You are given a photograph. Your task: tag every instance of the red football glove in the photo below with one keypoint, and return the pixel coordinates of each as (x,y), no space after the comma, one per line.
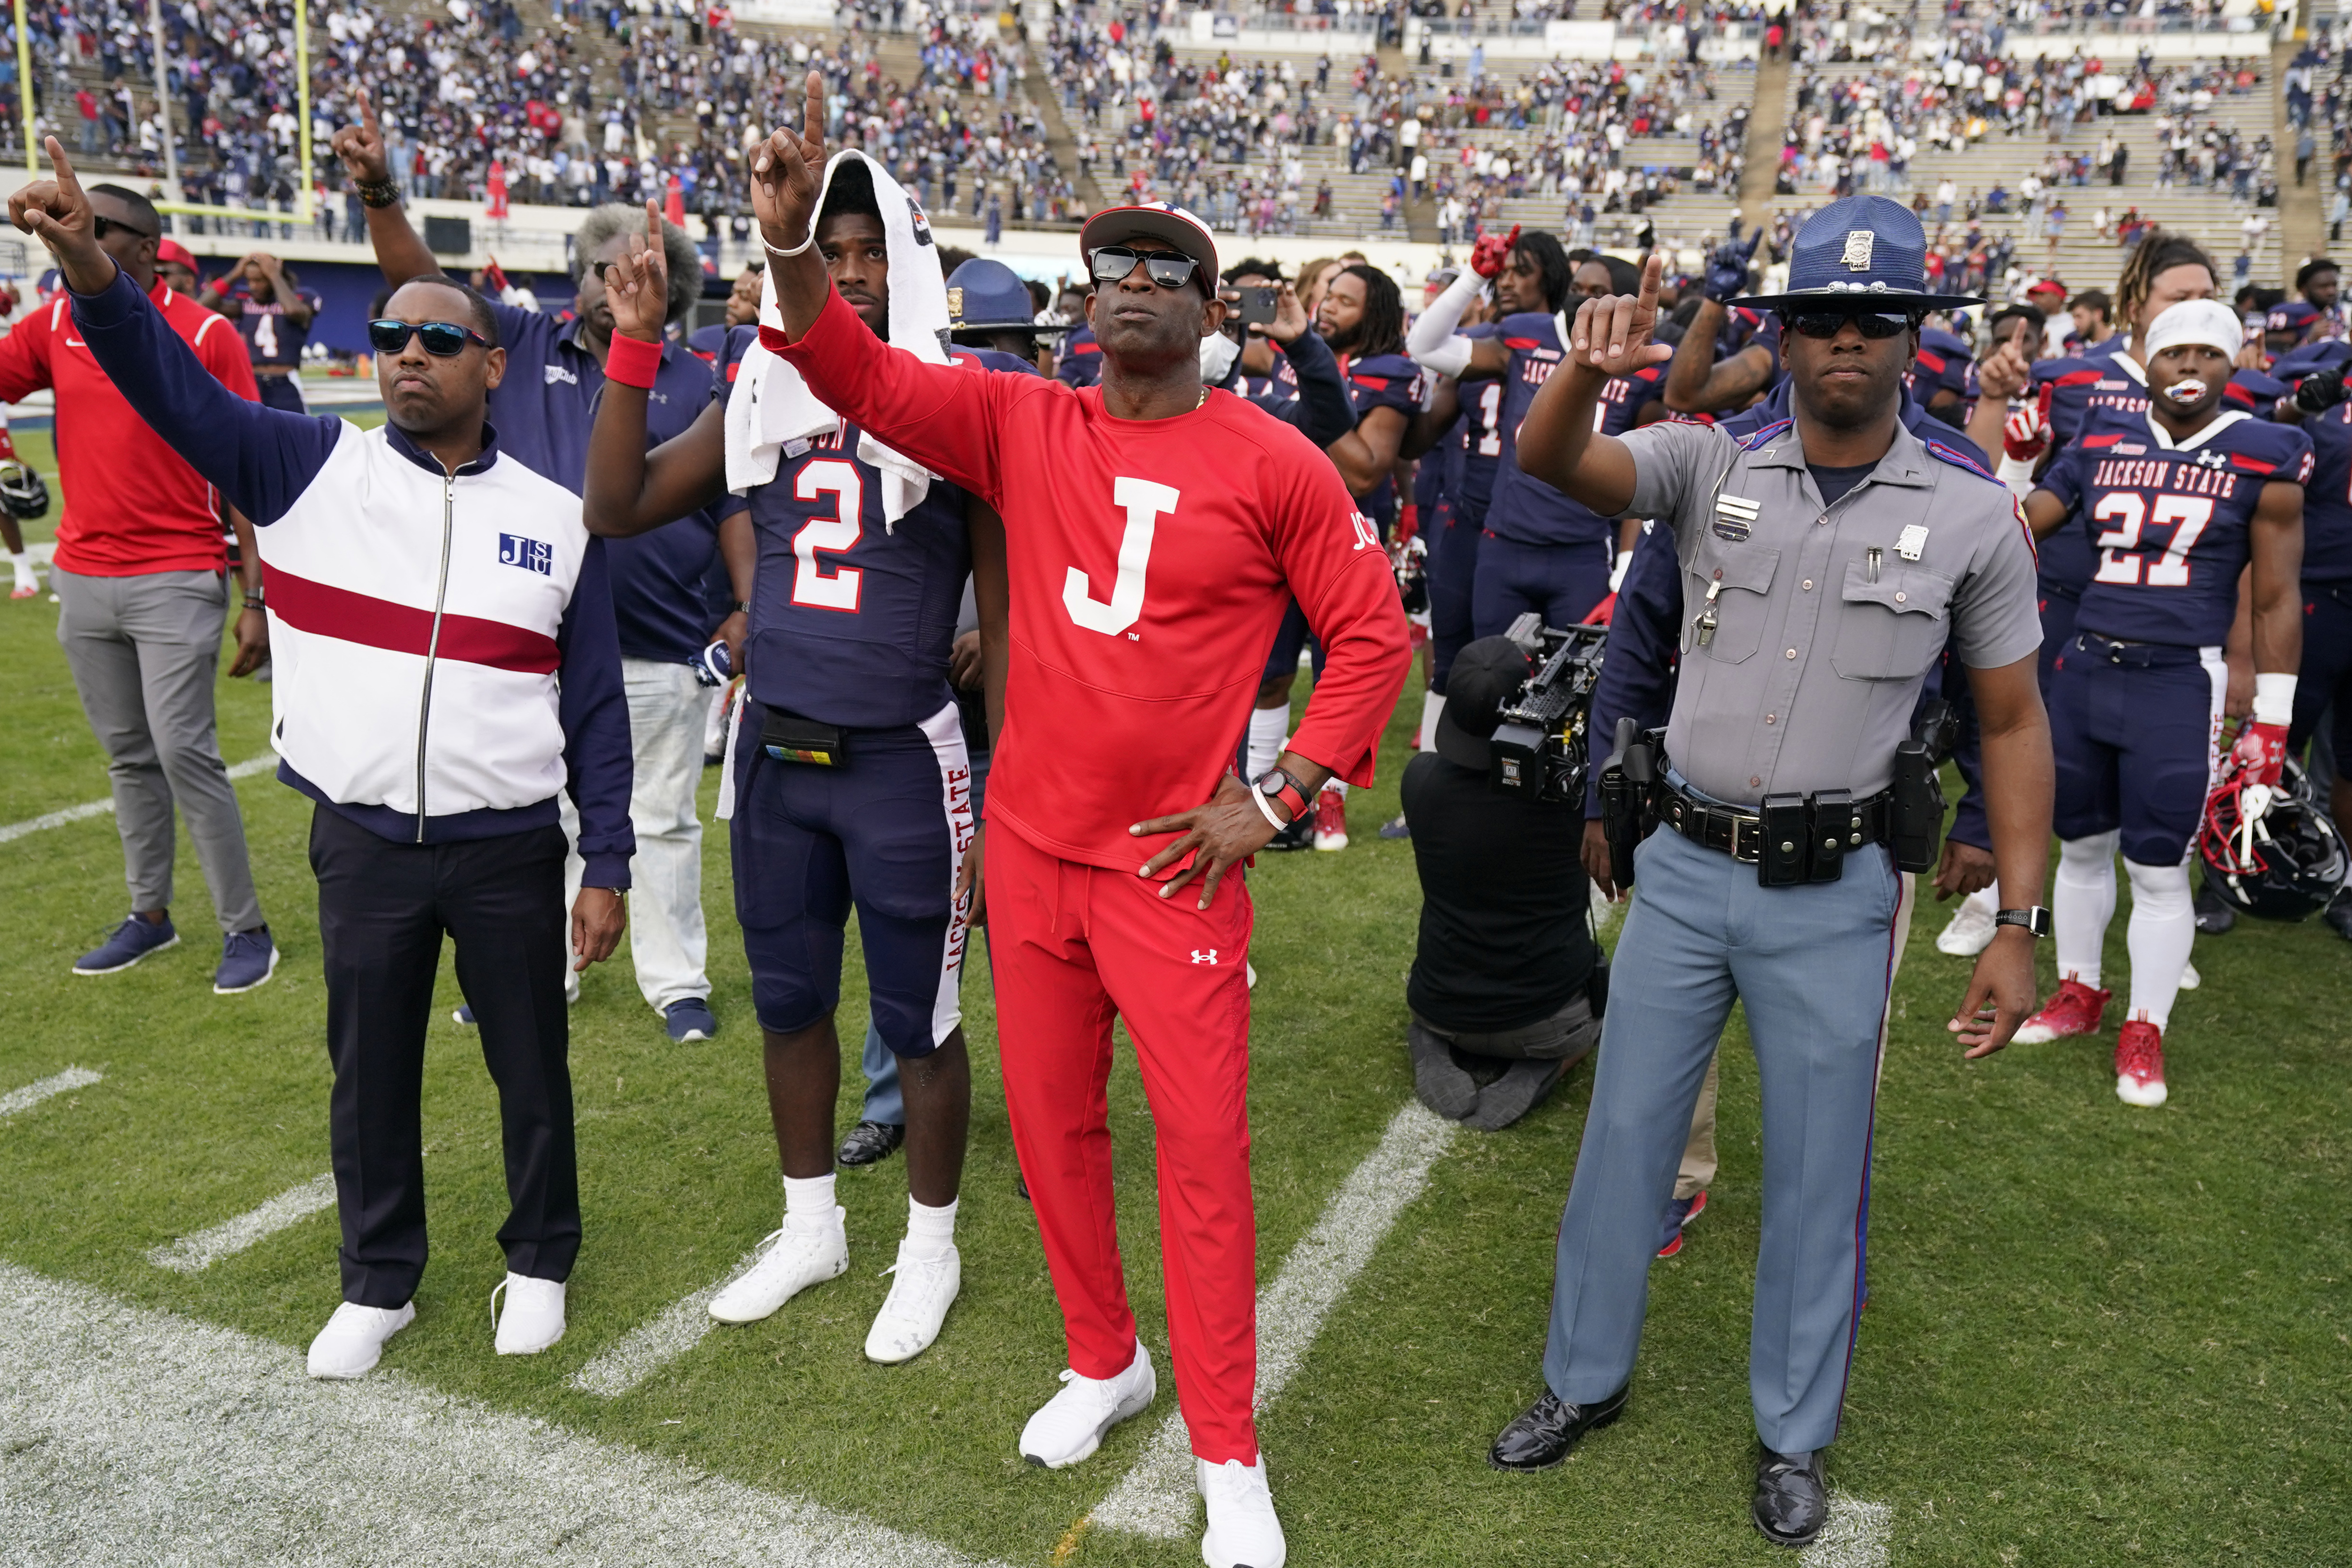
(2260,756)
(1487,257)
(2025,437)
(1599,615)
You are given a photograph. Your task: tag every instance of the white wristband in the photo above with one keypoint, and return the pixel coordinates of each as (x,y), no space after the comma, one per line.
(800,249)
(2016,473)
(2274,699)
(1266,807)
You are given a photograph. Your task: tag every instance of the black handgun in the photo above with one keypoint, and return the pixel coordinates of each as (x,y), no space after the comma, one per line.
(1918,806)
(1628,780)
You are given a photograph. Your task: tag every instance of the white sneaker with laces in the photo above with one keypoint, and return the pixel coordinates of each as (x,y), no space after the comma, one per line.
(352,1341)
(2190,979)
(534,1316)
(917,1303)
(1242,1529)
(1969,933)
(794,1261)
(1071,1425)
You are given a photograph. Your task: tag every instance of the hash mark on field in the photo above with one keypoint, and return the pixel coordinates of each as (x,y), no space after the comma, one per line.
(139,1435)
(32,1095)
(1855,1536)
(193,1254)
(1155,1498)
(655,1343)
(87,809)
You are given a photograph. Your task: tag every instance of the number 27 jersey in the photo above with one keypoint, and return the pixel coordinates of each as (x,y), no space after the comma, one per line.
(2170,523)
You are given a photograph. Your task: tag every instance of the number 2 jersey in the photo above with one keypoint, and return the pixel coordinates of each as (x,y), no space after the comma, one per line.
(2168,524)
(1524,508)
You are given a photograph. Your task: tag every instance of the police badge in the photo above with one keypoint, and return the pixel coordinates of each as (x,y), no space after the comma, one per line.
(1857,249)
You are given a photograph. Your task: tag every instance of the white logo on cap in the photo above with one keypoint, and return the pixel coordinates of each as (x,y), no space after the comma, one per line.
(1857,249)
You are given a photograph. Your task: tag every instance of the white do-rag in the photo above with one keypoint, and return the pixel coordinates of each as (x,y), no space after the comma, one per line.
(771,408)
(2206,321)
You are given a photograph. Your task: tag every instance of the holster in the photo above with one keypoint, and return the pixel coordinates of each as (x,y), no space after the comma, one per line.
(1918,810)
(1628,811)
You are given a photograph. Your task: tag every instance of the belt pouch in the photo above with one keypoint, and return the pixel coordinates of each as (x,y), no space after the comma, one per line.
(1780,859)
(788,738)
(1836,826)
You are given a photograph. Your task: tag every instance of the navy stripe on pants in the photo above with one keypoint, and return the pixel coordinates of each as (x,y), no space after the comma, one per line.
(383,909)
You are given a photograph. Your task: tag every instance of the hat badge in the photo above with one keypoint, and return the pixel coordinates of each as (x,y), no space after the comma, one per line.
(1857,249)
(955,304)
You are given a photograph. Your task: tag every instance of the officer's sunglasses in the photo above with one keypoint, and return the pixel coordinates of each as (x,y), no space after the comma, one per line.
(101,228)
(443,340)
(1169,270)
(1825,325)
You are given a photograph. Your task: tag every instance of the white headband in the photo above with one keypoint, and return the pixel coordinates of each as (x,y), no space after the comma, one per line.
(2207,322)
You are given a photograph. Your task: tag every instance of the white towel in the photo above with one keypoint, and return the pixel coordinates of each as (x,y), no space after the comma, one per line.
(771,408)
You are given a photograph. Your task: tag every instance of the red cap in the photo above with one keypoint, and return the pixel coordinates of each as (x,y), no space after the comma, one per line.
(168,250)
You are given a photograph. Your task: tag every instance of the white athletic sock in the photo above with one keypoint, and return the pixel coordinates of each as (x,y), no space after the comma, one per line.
(2082,901)
(808,1203)
(23,562)
(1984,902)
(930,1232)
(1432,704)
(2163,928)
(1268,728)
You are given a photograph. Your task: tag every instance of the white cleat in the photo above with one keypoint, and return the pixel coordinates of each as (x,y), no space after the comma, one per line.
(352,1342)
(1071,1423)
(917,1303)
(534,1316)
(794,1261)
(1242,1529)
(2190,979)
(1967,934)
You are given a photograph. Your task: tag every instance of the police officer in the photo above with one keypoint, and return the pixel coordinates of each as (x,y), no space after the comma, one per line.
(1826,561)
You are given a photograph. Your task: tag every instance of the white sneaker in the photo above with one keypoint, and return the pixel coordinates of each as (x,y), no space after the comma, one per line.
(1071,1425)
(2190,979)
(1969,933)
(352,1341)
(794,1261)
(917,1303)
(1243,1530)
(534,1316)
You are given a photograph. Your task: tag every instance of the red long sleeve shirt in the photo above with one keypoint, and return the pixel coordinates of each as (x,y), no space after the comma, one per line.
(132,505)
(1150,561)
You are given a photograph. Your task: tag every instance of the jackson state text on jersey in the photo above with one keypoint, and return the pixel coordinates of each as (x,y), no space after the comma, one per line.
(270,337)
(852,618)
(1527,510)
(2169,527)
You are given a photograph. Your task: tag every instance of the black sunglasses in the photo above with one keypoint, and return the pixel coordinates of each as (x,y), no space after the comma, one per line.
(1827,324)
(443,340)
(1114,263)
(101,228)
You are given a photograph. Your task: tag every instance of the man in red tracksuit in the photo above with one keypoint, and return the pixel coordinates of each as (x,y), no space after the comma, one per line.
(1155,531)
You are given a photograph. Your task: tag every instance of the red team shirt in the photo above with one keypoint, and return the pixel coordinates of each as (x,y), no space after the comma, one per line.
(132,506)
(1151,562)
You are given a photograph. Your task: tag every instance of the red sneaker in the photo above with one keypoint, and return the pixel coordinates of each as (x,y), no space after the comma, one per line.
(1331,819)
(2139,1065)
(2076,1009)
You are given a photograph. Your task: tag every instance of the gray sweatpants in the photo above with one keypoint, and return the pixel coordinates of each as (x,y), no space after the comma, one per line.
(144,651)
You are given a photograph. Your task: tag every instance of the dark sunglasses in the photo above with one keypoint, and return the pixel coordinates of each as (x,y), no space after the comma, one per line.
(101,228)
(1827,324)
(1114,263)
(443,340)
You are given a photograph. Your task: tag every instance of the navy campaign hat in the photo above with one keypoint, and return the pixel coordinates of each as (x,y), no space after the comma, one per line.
(986,296)
(1864,253)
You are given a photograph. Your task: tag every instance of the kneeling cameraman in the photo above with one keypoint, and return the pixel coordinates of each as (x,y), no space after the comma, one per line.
(1506,979)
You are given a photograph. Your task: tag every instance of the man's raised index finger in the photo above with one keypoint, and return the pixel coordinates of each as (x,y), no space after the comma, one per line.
(812,116)
(1651,269)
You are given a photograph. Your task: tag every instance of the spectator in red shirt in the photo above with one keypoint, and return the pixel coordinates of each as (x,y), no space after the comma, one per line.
(141,573)
(1128,674)
(86,104)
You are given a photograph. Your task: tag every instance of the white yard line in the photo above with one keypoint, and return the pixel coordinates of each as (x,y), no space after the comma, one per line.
(655,1343)
(32,1095)
(244,770)
(1156,1496)
(1855,1537)
(127,1435)
(194,1254)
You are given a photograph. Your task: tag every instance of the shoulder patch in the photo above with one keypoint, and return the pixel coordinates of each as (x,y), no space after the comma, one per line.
(2075,379)
(1959,459)
(1765,434)
(1521,344)
(2109,439)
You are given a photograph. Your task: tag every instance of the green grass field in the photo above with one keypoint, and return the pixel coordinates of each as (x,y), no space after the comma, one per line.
(2096,1335)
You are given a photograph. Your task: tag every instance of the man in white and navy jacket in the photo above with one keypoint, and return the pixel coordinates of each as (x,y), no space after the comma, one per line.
(446,661)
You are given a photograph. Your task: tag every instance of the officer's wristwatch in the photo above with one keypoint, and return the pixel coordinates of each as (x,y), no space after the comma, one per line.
(2035,920)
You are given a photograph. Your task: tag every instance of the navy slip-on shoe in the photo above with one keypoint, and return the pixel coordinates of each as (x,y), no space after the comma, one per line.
(132,940)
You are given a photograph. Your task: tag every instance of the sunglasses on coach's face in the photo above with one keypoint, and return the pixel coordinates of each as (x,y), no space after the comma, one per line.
(1827,324)
(1112,264)
(443,340)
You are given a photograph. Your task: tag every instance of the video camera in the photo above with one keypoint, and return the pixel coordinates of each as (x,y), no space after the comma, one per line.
(1539,745)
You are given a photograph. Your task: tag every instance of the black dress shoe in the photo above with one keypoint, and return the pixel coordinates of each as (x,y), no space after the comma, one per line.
(1793,1501)
(868,1141)
(2213,916)
(1544,1432)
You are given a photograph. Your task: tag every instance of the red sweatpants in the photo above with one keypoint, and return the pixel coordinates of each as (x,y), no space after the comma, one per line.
(1071,946)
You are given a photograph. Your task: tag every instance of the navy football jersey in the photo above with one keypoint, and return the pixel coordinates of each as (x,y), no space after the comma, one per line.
(2327,497)
(2167,526)
(2076,388)
(1081,362)
(270,337)
(705,343)
(1527,510)
(1942,365)
(1382,380)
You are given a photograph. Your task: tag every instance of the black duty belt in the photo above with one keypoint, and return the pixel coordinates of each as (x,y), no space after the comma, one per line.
(1791,839)
(2137,655)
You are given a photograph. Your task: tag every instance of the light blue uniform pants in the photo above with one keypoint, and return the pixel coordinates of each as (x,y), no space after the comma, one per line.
(884,1102)
(1812,963)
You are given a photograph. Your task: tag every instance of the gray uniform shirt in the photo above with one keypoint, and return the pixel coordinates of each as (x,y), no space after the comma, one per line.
(1814,671)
